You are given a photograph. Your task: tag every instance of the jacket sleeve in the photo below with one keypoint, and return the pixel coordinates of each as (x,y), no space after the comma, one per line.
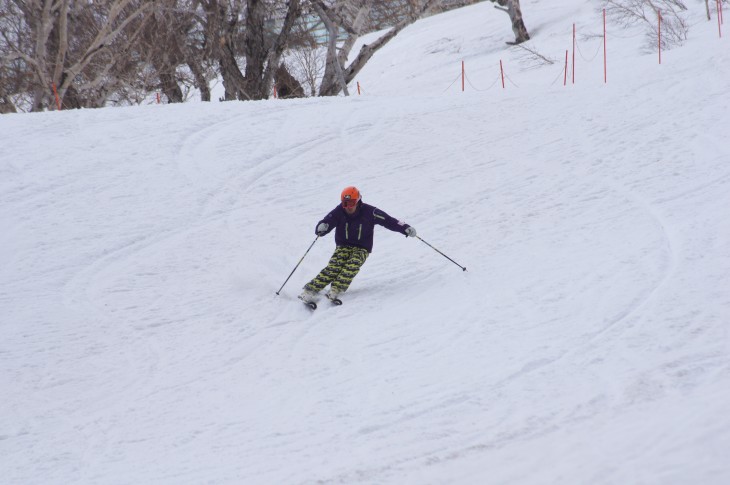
(330,219)
(389,222)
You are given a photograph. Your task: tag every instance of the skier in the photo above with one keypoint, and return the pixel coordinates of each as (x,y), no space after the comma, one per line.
(354,224)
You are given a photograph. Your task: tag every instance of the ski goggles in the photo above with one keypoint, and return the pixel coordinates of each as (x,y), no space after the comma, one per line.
(349,203)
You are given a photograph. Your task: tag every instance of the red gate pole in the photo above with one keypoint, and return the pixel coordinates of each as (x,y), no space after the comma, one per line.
(659,29)
(55,93)
(501,70)
(719,17)
(573,53)
(605,77)
(462,76)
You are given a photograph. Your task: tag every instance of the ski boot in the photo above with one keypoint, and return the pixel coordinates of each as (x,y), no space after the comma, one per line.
(308,297)
(334,296)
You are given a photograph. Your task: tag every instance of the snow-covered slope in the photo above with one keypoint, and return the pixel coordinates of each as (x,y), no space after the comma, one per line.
(141,340)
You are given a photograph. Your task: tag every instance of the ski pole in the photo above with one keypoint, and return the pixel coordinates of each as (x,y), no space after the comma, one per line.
(442,254)
(300,262)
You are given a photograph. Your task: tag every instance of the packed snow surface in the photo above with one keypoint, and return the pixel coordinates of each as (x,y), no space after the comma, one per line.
(142,342)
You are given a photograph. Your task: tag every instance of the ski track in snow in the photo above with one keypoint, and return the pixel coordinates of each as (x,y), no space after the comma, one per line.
(587,343)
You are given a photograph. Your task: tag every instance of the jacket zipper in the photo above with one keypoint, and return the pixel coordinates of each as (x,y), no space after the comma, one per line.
(347,233)
(359,233)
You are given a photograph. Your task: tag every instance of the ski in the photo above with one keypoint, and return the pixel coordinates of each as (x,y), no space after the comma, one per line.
(313,305)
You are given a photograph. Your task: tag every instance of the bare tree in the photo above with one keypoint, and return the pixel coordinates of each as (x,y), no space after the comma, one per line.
(104,25)
(107,52)
(196,50)
(174,38)
(350,16)
(221,27)
(334,79)
(237,29)
(14,79)
(307,62)
(263,49)
(161,45)
(646,12)
(72,45)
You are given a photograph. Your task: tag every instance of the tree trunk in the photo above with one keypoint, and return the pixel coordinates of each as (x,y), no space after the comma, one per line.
(333,80)
(201,82)
(163,45)
(221,26)
(41,27)
(71,98)
(515,15)
(233,80)
(262,54)
(255,48)
(170,87)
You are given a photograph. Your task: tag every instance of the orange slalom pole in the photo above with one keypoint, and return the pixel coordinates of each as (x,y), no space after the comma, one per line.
(55,93)
(659,29)
(719,17)
(462,76)
(573,53)
(605,74)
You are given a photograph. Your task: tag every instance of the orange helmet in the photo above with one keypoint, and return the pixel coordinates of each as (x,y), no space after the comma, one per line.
(350,196)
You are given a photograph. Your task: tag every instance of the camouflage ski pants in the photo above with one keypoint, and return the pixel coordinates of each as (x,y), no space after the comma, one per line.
(341,269)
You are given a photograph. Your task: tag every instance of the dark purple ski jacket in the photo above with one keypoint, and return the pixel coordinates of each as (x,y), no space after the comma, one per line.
(358,229)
